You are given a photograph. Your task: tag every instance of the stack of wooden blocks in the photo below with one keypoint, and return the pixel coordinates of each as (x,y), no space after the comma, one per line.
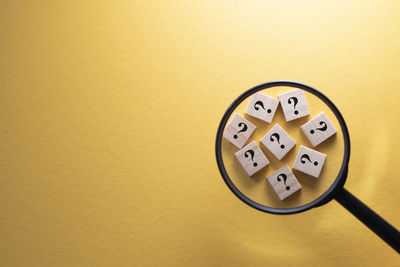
(278,141)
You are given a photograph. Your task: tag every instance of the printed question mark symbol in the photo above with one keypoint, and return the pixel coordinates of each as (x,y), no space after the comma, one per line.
(277,139)
(244,128)
(261,104)
(284,177)
(251,152)
(323,128)
(295,101)
(305,156)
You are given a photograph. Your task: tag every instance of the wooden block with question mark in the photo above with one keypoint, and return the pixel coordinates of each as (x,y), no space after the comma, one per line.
(309,161)
(278,141)
(262,107)
(294,104)
(318,129)
(284,182)
(251,158)
(238,130)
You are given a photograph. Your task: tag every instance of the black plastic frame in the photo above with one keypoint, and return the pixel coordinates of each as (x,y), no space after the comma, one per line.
(332,190)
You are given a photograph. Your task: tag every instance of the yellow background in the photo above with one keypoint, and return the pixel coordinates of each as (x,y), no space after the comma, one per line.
(109,111)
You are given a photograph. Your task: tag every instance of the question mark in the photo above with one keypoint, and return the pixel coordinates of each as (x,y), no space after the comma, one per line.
(261,104)
(295,101)
(251,152)
(242,130)
(305,156)
(277,139)
(320,129)
(284,180)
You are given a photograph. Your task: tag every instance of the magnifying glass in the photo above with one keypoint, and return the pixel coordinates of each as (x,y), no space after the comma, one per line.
(257,192)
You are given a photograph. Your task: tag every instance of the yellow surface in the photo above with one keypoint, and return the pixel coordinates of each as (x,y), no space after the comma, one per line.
(257,187)
(109,111)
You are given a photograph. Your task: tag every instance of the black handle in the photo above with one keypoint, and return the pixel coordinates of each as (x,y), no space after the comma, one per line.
(376,223)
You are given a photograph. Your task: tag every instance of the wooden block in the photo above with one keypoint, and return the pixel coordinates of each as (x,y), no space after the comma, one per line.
(318,129)
(262,107)
(238,130)
(284,182)
(278,141)
(252,158)
(294,104)
(309,161)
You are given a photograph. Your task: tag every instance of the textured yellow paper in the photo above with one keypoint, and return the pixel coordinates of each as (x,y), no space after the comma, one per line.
(109,110)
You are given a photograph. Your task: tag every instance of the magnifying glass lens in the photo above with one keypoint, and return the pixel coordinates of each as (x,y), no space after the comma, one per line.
(256,187)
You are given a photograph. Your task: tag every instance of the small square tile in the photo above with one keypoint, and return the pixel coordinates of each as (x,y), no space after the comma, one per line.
(309,161)
(278,141)
(238,130)
(294,104)
(284,182)
(252,158)
(262,107)
(318,129)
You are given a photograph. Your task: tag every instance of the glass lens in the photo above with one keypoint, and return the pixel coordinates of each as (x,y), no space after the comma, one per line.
(256,187)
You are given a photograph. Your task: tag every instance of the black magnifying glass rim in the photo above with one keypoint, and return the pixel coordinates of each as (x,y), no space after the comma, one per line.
(325,197)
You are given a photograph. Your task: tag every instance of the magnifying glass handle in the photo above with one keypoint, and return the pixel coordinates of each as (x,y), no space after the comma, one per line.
(376,223)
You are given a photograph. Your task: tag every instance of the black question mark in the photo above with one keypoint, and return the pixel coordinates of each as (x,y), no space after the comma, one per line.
(277,139)
(242,130)
(261,104)
(320,129)
(305,156)
(251,152)
(284,180)
(295,101)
